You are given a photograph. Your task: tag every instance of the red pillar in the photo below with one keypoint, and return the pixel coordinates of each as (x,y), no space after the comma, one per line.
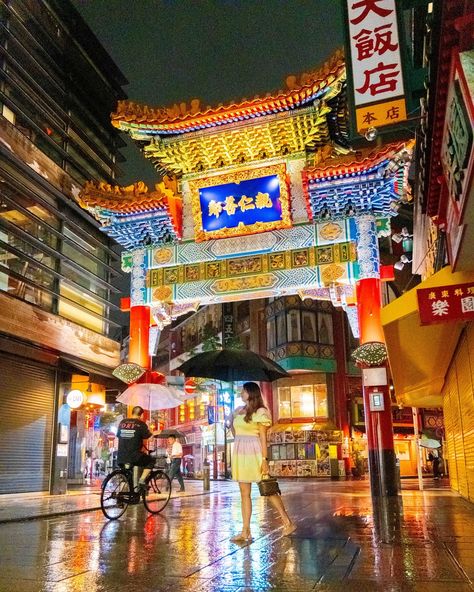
(382,460)
(340,382)
(139,335)
(138,347)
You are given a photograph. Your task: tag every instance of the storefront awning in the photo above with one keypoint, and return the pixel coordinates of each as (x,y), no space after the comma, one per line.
(283,427)
(420,355)
(97,373)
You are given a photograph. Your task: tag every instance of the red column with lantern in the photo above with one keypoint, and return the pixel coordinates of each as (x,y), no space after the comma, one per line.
(384,479)
(139,336)
(340,387)
(138,349)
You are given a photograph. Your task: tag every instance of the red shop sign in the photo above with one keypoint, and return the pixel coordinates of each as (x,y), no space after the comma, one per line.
(446,303)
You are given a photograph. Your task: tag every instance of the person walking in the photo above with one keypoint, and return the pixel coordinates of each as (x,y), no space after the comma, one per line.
(88,466)
(249,461)
(175,453)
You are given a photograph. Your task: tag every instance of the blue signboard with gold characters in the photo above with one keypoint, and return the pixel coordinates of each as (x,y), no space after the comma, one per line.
(241,202)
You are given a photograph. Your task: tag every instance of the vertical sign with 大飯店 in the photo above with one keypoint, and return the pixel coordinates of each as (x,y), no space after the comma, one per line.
(376,62)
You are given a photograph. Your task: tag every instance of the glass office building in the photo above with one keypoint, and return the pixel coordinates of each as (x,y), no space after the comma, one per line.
(58,271)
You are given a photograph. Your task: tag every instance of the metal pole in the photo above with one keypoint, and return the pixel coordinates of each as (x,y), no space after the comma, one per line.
(416,429)
(214,456)
(225,450)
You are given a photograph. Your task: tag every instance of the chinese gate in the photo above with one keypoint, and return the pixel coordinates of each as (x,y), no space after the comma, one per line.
(259,199)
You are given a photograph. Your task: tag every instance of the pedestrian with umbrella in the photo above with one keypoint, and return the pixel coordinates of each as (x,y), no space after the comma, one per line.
(249,424)
(131,433)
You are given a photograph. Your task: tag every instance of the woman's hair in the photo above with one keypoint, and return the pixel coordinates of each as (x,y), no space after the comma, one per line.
(255,400)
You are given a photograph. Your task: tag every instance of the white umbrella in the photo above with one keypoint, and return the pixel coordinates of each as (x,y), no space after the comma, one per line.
(152,396)
(429,443)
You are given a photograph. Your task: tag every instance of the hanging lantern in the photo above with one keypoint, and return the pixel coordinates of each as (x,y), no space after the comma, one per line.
(370,354)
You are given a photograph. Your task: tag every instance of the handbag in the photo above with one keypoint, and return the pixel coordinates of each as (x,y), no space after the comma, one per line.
(268,486)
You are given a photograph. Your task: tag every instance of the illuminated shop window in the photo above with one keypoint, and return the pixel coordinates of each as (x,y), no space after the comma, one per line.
(307,400)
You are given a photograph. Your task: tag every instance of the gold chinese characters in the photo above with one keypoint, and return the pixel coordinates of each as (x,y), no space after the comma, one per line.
(245,203)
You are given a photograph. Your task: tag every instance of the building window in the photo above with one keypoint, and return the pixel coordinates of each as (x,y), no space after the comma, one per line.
(281,329)
(303,401)
(325,329)
(284,402)
(294,325)
(271,341)
(308,322)
(81,308)
(291,321)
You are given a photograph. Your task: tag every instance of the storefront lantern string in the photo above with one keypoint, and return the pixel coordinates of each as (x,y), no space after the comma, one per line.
(370,354)
(129,373)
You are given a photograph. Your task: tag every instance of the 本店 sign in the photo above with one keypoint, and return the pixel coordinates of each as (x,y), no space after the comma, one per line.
(242,202)
(376,63)
(446,303)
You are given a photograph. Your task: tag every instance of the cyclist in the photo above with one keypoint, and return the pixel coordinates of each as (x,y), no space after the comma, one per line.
(131,433)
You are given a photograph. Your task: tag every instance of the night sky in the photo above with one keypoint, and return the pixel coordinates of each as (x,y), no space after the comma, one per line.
(175,50)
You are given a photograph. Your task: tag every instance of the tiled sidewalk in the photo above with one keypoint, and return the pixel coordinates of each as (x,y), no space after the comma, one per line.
(422,542)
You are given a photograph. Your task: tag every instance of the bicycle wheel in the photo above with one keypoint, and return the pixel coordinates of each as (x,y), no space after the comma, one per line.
(158,492)
(115,495)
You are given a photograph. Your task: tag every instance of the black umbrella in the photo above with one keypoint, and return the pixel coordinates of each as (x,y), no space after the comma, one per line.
(231,365)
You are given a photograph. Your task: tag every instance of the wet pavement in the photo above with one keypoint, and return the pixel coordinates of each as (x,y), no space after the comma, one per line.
(422,542)
(32,506)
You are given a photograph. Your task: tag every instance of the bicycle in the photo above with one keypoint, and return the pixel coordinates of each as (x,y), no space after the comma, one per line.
(118,492)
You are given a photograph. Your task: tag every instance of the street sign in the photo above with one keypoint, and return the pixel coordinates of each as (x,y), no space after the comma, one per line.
(443,304)
(211,415)
(376,63)
(75,398)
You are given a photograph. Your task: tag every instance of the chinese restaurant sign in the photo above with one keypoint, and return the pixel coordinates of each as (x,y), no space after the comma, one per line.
(242,202)
(446,303)
(376,63)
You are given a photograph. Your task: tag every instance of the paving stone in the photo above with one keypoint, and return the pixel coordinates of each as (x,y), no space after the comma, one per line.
(425,543)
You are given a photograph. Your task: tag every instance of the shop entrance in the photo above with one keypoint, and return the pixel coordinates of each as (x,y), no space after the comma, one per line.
(26,424)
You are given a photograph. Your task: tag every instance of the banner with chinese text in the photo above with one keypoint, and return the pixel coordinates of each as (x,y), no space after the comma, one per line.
(446,303)
(241,202)
(376,63)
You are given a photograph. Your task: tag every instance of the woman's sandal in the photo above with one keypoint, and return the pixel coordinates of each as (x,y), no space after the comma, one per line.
(289,529)
(241,538)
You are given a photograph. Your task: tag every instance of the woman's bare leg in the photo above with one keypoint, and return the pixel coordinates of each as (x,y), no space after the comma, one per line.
(277,503)
(245,489)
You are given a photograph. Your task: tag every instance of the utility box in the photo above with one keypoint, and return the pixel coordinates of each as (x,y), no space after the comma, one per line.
(334,468)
